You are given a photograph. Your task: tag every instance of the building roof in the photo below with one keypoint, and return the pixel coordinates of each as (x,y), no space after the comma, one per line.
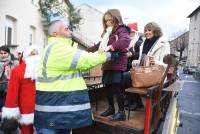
(186,32)
(82,40)
(195,11)
(86,5)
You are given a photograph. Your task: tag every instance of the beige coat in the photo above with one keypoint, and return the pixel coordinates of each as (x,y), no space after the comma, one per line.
(159,50)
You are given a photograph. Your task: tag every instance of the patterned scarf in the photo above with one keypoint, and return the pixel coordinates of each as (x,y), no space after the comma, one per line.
(5,66)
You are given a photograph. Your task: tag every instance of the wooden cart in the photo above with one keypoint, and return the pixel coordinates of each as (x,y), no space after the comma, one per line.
(160,102)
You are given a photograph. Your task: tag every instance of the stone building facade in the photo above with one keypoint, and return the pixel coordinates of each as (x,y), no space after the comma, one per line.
(194,38)
(20,24)
(179,44)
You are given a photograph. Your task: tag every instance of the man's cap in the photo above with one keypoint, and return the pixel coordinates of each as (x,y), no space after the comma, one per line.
(133,26)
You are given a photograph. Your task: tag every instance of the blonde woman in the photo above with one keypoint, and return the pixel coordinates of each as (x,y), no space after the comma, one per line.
(117,41)
(156,46)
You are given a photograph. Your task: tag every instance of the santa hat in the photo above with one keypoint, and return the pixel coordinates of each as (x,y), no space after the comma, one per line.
(133,26)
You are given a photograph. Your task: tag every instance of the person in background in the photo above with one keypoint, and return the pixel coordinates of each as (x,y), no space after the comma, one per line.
(62,100)
(133,101)
(115,38)
(19,55)
(6,65)
(155,45)
(136,41)
(20,99)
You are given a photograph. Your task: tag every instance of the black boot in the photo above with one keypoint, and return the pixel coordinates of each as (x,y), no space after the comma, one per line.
(119,116)
(109,111)
(132,107)
(139,103)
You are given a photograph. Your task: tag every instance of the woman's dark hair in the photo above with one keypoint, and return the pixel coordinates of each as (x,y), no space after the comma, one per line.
(5,48)
(155,28)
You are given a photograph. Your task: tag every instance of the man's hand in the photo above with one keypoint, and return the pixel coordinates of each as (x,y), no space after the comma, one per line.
(106,49)
(101,50)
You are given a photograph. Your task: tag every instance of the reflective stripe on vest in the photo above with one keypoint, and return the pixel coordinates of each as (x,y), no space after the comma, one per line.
(75,59)
(69,108)
(44,73)
(60,77)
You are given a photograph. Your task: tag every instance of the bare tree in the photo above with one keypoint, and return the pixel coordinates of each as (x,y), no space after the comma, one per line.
(180,46)
(180,42)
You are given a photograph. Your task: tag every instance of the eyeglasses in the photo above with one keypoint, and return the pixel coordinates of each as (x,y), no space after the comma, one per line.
(66,28)
(108,20)
(147,30)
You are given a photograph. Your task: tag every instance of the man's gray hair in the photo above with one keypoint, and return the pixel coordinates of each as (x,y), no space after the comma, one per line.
(54,27)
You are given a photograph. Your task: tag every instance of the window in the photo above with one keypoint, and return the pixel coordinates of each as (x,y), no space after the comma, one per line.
(32,35)
(9,35)
(195,16)
(30,39)
(10,31)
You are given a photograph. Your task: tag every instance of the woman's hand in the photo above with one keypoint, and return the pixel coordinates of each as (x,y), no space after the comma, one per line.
(129,54)
(135,63)
(151,60)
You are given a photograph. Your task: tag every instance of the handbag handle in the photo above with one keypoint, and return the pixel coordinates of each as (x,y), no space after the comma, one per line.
(145,60)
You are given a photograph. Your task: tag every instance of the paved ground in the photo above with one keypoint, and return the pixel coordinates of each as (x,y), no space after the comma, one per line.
(189,100)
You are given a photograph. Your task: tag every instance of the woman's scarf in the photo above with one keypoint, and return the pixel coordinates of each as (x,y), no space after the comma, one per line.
(148,43)
(5,66)
(105,39)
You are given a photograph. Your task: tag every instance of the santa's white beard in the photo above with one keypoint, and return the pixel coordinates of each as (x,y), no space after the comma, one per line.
(32,65)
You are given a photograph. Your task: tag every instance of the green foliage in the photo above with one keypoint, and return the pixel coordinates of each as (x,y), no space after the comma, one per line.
(74,17)
(64,8)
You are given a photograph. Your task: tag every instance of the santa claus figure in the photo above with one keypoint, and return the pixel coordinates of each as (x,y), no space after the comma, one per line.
(20,99)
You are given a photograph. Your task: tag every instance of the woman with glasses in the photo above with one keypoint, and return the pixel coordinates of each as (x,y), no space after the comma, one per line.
(115,38)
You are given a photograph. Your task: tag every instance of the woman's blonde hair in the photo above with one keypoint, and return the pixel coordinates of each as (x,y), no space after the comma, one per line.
(116,16)
(155,28)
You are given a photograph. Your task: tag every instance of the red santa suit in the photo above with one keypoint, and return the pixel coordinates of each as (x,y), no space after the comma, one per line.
(20,99)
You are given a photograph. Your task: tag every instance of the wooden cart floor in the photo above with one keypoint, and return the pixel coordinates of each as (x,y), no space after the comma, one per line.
(104,125)
(136,120)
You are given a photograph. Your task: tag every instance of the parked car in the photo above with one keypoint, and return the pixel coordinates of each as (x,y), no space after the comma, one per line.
(189,69)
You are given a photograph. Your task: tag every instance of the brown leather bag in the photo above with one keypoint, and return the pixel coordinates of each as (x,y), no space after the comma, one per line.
(147,75)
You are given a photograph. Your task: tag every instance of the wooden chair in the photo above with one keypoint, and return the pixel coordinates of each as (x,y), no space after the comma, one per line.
(153,96)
